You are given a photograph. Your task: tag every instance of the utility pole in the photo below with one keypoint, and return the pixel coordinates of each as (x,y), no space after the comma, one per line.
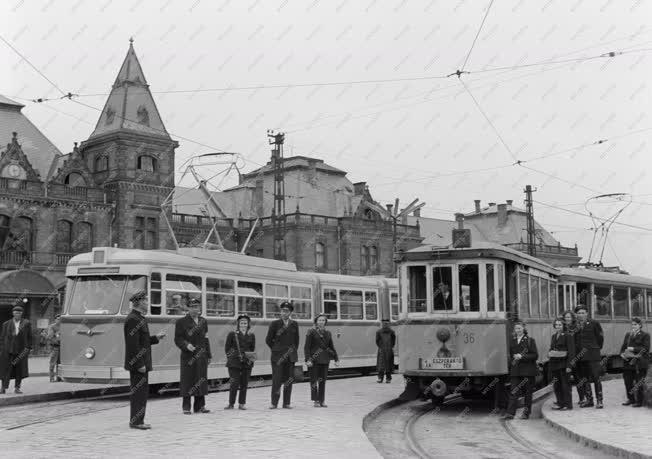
(278,213)
(531,244)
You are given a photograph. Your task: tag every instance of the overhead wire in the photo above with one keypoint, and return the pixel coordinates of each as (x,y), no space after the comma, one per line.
(477,35)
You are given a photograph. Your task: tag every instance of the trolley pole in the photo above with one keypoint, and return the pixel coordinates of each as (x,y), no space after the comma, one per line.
(278,213)
(531,245)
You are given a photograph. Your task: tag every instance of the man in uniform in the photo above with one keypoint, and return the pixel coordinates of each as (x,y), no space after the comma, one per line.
(191,337)
(283,340)
(588,343)
(54,338)
(385,341)
(138,357)
(16,344)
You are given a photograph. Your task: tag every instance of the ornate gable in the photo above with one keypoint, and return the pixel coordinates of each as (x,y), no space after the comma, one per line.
(74,169)
(14,163)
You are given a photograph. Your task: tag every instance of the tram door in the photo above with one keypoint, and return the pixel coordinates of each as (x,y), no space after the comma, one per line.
(567,294)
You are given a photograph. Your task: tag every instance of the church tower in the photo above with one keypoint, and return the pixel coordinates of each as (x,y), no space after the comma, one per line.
(131,155)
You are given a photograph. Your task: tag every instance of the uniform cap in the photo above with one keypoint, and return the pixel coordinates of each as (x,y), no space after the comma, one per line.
(17,308)
(194,302)
(139,295)
(286,305)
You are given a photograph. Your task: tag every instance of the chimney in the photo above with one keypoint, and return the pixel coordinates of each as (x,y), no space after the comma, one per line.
(461,236)
(417,213)
(509,202)
(477,206)
(502,214)
(358,188)
(389,208)
(460,221)
(491,204)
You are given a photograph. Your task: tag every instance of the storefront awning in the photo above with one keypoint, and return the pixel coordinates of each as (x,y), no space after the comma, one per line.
(25,282)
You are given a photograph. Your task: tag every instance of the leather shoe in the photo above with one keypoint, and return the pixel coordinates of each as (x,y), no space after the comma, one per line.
(586,404)
(627,403)
(558,408)
(380,381)
(524,416)
(186,412)
(287,407)
(140,426)
(18,391)
(637,405)
(507,417)
(598,405)
(242,407)
(272,407)
(203,411)
(323,405)
(228,407)
(316,404)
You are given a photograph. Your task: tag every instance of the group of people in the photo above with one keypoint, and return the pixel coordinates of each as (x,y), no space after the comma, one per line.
(574,352)
(191,337)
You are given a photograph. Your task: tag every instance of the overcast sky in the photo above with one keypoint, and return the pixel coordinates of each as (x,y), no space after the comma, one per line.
(407,138)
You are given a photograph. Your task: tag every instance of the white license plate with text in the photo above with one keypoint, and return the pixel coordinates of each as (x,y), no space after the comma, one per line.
(443,363)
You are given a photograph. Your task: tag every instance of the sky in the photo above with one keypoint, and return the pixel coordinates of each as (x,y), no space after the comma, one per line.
(363,85)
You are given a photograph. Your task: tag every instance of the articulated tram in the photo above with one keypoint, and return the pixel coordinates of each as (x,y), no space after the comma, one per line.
(458,306)
(227,284)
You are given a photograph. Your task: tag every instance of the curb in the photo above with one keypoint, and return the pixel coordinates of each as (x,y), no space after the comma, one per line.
(64,395)
(373,414)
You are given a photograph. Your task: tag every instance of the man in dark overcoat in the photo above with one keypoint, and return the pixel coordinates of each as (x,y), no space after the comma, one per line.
(191,337)
(283,339)
(16,342)
(138,357)
(589,339)
(635,352)
(385,341)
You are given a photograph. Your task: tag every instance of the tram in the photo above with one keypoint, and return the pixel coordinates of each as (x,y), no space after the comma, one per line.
(458,305)
(100,284)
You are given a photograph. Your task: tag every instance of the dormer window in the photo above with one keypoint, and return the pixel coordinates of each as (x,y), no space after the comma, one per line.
(101,164)
(74,179)
(146,163)
(369,214)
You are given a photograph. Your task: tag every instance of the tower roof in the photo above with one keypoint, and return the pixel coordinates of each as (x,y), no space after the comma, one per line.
(130,106)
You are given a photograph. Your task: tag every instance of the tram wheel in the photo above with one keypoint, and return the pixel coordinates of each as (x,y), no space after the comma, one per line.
(436,401)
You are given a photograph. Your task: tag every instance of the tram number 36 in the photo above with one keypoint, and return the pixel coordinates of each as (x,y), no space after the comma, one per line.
(469,338)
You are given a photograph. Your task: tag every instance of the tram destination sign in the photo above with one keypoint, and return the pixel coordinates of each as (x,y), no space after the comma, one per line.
(443,363)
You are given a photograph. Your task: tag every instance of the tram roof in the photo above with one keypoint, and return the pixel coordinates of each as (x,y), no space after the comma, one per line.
(489,249)
(595,276)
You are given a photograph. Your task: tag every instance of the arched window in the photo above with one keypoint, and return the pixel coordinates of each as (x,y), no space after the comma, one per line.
(101,163)
(22,235)
(373,259)
(84,238)
(74,179)
(5,222)
(364,260)
(64,236)
(319,255)
(147,163)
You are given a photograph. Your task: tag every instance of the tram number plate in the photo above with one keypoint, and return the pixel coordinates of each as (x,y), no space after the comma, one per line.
(443,363)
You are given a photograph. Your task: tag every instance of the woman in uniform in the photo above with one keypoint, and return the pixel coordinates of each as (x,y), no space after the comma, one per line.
(562,356)
(239,347)
(523,358)
(319,351)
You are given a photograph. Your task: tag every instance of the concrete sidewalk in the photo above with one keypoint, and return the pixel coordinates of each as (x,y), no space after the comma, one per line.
(620,431)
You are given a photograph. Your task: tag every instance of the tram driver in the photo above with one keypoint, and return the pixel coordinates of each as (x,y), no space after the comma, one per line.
(178,305)
(442,299)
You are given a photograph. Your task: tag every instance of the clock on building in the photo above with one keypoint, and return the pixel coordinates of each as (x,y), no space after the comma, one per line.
(14,171)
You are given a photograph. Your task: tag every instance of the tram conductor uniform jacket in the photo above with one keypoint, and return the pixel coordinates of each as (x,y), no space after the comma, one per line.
(194,364)
(138,342)
(589,339)
(283,341)
(563,341)
(527,365)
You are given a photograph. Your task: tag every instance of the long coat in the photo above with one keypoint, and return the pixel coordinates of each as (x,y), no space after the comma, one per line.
(527,365)
(319,347)
(193,380)
(385,341)
(589,339)
(564,342)
(138,342)
(641,344)
(15,349)
(283,341)
(247,344)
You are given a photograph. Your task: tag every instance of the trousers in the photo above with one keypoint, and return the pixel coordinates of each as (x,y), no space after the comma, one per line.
(562,388)
(55,359)
(139,390)
(589,371)
(520,384)
(13,370)
(318,376)
(238,381)
(634,384)
(282,375)
(200,402)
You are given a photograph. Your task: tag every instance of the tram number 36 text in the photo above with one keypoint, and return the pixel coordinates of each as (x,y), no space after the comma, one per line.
(469,338)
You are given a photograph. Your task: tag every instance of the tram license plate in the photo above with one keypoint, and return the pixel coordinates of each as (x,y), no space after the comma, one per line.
(443,363)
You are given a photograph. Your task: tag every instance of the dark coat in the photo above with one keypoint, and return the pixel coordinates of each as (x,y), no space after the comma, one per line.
(193,366)
(588,341)
(15,349)
(319,347)
(138,342)
(565,342)
(385,341)
(527,365)
(641,344)
(283,341)
(247,344)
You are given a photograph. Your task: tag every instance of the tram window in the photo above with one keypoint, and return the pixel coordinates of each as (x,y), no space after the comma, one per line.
(491,288)
(583,294)
(134,284)
(417,288)
(442,279)
(371,305)
(534,297)
(97,295)
(638,302)
(524,295)
(220,297)
(330,303)
(301,298)
(275,295)
(545,307)
(250,298)
(501,290)
(602,294)
(155,293)
(621,304)
(394,303)
(179,290)
(469,288)
(351,304)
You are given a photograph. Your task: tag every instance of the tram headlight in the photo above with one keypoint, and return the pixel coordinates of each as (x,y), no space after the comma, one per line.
(89,353)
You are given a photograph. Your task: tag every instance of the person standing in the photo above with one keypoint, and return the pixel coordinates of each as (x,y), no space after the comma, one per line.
(319,351)
(523,369)
(589,341)
(570,327)
(238,344)
(283,339)
(191,337)
(385,341)
(138,357)
(635,352)
(562,356)
(54,338)
(16,342)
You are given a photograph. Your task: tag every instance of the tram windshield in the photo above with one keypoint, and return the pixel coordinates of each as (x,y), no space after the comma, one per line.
(102,295)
